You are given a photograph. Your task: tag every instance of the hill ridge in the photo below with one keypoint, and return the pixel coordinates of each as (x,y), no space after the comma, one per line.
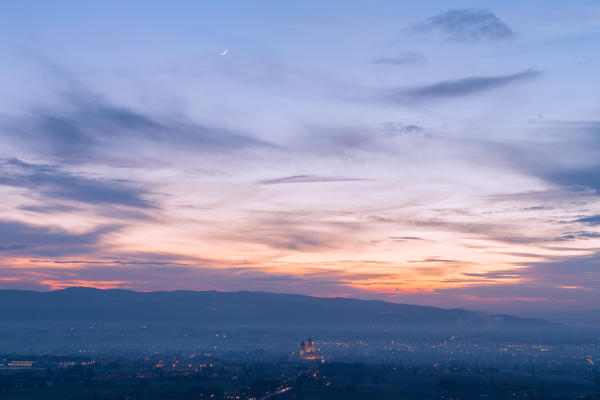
(244,308)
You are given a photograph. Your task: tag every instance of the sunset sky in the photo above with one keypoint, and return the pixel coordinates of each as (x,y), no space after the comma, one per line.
(431,152)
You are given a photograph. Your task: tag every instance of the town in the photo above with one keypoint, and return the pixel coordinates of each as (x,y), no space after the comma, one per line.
(316,370)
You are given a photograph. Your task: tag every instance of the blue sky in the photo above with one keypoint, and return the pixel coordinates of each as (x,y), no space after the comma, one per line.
(439,153)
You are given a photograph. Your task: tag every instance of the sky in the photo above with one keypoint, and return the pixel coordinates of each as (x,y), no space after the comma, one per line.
(432,152)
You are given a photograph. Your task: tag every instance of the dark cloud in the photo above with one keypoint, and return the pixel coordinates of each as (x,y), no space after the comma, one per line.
(581,143)
(48,208)
(540,160)
(402,59)
(14,231)
(42,239)
(588,176)
(578,235)
(53,183)
(567,159)
(438,260)
(309,179)
(591,220)
(467,25)
(87,127)
(13,247)
(108,262)
(460,87)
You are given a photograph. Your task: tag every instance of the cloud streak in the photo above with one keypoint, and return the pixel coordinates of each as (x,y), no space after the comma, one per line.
(87,127)
(309,179)
(591,220)
(53,183)
(407,58)
(19,238)
(460,87)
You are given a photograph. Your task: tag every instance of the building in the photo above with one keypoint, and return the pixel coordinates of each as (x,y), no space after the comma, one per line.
(308,350)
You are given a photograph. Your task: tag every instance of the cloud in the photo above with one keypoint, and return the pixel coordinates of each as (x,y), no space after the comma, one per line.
(438,260)
(295,240)
(584,176)
(13,247)
(47,208)
(293,231)
(552,283)
(460,87)
(309,179)
(169,275)
(43,239)
(565,157)
(110,261)
(87,127)
(500,232)
(405,238)
(591,220)
(397,129)
(547,199)
(402,59)
(579,235)
(570,161)
(53,183)
(290,236)
(344,141)
(555,271)
(467,25)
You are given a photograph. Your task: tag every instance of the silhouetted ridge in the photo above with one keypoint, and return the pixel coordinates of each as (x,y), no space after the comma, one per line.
(250,309)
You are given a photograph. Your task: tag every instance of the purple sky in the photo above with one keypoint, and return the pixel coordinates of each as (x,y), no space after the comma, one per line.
(432,153)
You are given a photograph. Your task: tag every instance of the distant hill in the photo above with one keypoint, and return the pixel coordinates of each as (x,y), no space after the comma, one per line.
(242,309)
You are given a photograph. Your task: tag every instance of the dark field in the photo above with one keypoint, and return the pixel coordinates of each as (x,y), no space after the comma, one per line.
(195,377)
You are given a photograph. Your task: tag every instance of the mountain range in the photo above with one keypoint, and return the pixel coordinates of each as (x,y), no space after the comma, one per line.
(242,309)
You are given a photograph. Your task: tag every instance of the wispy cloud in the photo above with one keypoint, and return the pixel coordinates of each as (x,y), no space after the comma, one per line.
(53,183)
(291,236)
(504,232)
(405,238)
(87,127)
(578,235)
(23,238)
(591,220)
(107,262)
(460,87)
(309,179)
(407,58)
(438,260)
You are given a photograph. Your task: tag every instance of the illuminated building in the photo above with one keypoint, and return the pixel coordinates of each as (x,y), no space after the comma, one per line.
(308,350)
